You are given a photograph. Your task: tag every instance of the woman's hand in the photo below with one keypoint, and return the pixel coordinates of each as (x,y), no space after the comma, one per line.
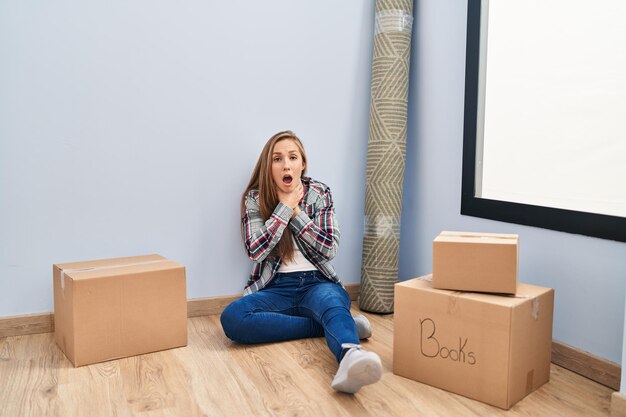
(292,199)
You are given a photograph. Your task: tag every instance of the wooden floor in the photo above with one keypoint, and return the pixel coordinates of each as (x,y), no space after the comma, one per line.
(214,377)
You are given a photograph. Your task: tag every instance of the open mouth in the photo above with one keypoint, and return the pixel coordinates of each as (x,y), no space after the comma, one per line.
(287,179)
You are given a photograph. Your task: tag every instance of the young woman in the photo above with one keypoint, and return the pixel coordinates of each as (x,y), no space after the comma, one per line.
(291,234)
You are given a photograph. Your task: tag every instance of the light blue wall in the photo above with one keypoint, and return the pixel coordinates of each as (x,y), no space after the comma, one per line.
(130,128)
(588,274)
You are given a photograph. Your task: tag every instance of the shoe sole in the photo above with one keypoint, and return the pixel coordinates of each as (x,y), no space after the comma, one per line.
(361,373)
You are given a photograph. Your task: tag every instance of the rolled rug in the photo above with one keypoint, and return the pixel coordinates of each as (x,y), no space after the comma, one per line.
(386,154)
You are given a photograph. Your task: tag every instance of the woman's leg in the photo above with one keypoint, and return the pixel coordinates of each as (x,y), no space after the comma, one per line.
(267,316)
(329,304)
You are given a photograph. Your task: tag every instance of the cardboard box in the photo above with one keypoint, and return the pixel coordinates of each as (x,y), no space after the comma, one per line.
(483,262)
(113,308)
(491,348)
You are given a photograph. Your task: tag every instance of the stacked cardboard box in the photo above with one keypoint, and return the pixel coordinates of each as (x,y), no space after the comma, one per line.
(481,344)
(113,308)
(482,262)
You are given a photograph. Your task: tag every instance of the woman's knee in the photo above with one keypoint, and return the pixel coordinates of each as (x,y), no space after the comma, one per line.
(333,295)
(231,319)
(335,312)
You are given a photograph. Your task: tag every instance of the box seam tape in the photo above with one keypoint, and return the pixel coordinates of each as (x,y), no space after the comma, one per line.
(121,321)
(99,268)
(534,310)
(511,359)
(478,235)
(452,301)
(534,306)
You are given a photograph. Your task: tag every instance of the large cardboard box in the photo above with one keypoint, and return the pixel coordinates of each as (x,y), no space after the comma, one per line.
(491,348)
(113,308)
(484,262)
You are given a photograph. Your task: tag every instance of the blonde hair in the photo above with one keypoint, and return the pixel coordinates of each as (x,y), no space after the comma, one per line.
(263,181)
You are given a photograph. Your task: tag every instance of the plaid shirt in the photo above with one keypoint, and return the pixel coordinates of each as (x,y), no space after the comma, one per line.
(315,231)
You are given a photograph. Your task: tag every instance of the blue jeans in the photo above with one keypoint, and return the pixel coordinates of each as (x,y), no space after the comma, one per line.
(293,305)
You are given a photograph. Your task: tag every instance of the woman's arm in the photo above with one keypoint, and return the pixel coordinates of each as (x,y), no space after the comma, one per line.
(261,237)
(320,234)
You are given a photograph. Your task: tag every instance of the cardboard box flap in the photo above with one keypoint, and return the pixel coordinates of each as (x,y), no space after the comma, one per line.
(115,267)
(117,270)
(109,261)
(524,292)
(529,291)
(473,237)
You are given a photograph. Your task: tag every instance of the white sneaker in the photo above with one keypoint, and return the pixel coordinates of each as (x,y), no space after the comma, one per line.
(363,326)
(357,368)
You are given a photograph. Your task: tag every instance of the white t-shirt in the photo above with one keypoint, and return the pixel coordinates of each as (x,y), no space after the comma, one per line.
(299,262)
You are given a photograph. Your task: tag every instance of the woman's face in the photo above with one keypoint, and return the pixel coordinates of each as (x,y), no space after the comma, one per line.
(287,165)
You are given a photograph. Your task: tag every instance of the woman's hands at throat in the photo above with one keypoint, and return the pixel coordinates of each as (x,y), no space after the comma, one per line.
(292,198)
